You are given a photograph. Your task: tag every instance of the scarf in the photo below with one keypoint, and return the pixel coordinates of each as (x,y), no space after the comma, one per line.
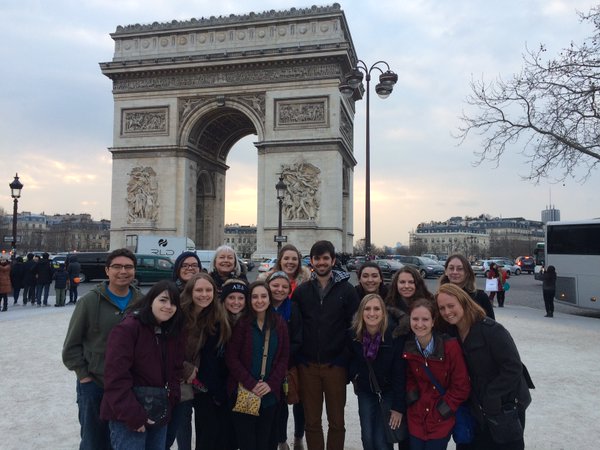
(371,345)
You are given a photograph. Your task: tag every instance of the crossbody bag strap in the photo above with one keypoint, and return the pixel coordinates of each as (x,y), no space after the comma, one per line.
(433,380)
(373,379)
(263,367)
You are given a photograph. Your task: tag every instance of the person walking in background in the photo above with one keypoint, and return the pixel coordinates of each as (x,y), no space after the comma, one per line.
(459,272)
(144,351)
(74,270)
(61,278)
(5,284)
(326,306)
(437,381)
(43,275)
(94,317)
(549,290)
(29,280)
(257,359)
(186,266)
(16,278)
(377,354)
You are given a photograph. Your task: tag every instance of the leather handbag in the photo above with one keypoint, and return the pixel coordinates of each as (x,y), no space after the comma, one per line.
(248,402)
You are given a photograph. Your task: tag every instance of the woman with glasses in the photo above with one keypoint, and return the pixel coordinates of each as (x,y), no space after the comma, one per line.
(186,266)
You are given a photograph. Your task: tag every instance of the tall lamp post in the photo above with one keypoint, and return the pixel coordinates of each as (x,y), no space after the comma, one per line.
(280,187)
(15,193)
(348,86)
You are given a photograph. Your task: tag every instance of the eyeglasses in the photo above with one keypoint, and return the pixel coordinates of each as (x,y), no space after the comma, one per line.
(119,267)
(189,266)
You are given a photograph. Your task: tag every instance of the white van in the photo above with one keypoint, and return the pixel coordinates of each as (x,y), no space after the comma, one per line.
(206,258)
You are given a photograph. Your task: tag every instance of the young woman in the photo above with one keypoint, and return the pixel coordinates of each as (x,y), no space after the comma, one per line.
(280,287)
(289,261)
(144,350)
(244,357)
(406,286)
(234,296)
(501,276)
(186,266)
(459,272)
(499,382)
(207,331)
(226,265)
(549,290)
(433,358)
(370,280)
(372,344)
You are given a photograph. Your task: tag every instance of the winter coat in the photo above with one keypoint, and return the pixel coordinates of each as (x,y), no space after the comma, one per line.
(5,284)
(495,367)
(389,369)
(43,271)
(430,414)
(139,354)
(60,278)
(482,299)
(16,274)
(240,352)
(73,269)
(94,317)
(29,272)
(500,275)
(549,281)
(325,323)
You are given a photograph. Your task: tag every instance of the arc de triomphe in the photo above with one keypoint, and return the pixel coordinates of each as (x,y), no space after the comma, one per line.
(186,91)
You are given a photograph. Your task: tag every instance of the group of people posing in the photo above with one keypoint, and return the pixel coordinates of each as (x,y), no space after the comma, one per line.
(190,351)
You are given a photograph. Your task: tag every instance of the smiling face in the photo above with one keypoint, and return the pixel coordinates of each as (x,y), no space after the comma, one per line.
(235,302)
(456,272)
(370,280)
(421,323)
(259,299)
(203,294)
(162,308)
(373,315)
(290,262)
(280,290)
(450,309)
(189,267)
(120,273)
(322,264)
(225,262)
(406,285)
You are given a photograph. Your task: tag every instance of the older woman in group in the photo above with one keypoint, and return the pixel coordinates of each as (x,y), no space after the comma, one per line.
(370,280)
(459,272)
(289,261)
(226,265)
(499,381)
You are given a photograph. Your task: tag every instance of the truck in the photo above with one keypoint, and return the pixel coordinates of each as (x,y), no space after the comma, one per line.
(169,246)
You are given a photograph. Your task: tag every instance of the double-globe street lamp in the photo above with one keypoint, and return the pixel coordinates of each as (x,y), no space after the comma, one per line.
(15,193)
(348,87)
(280,187)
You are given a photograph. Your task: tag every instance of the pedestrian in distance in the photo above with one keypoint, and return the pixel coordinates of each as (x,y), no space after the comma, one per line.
(61,279)
(144,351)
(497,273)
(43,274)
(74,270)
(29,280)
(16,278)
(94,316)
(549,290)
(5,284)
(257,359)
(377,372)
(499,381)
(437,380)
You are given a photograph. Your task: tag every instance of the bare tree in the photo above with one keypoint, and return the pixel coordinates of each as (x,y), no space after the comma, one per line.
(550,106)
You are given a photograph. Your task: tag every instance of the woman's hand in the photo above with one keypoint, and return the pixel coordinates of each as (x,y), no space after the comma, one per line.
(395,419)
(261,389)
(143,427)
(192,377)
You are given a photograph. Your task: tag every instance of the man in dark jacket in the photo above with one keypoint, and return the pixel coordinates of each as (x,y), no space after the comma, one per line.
(43,275)
(29,280)
(16,278)
(326,304)
(73,269)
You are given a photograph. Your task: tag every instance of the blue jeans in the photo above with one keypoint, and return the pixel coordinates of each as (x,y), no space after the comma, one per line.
(431,444)
(16,293)
(122,438)
(372,431)
(38,293)
(94,431)
(180,426)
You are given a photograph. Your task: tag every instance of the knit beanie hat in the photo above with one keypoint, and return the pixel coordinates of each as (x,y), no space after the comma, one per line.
(234,285)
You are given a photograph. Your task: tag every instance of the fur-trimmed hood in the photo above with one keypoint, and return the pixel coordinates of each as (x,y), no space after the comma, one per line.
(399,321)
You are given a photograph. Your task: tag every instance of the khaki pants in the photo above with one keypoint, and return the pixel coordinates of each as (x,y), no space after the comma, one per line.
(318,381)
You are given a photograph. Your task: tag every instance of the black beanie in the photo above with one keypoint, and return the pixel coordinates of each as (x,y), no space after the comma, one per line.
(234,286)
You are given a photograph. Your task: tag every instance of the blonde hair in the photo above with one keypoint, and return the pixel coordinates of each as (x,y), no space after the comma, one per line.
(358,323)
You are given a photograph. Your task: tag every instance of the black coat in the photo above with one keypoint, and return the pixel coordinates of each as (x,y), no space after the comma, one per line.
(29,273)
(495,368)
(482,299)
(43,271)
(17,272)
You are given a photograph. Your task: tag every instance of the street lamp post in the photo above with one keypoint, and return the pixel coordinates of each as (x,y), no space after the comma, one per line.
(384,88)
(280,187)
(15,193)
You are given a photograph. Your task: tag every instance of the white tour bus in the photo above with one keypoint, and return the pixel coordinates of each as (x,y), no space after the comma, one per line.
(573,248)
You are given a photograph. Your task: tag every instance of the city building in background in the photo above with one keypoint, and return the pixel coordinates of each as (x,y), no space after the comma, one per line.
(550,214)
(242,238)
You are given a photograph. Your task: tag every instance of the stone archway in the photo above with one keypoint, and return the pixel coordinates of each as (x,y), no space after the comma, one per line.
(186,92)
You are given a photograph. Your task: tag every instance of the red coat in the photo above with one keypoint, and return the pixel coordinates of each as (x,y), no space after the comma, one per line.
(134,358)
(431,415)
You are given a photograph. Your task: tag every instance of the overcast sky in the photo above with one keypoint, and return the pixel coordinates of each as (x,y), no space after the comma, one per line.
(56,108)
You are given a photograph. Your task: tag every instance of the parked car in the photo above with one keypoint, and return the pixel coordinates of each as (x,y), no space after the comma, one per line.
(526,263)
(482,266)
(249,264)
(509,266)
(427,267)
(355,263)
(388,267)
(152,268)
(267,265)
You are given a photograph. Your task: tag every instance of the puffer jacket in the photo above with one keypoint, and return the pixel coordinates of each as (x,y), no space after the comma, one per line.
(5,284)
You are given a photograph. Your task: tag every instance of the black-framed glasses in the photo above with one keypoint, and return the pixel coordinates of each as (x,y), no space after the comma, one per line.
(190,266)
(119,267)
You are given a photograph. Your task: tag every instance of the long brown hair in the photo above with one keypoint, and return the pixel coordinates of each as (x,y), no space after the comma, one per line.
(472,311)
(286,248)
(469,283)
(395,299)
(358,323)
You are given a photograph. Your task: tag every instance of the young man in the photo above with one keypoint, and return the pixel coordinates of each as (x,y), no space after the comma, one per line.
(326,304)
(95,314)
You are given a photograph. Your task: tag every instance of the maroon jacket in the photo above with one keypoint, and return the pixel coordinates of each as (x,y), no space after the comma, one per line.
(431,415)
(238,357)
(134,358)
